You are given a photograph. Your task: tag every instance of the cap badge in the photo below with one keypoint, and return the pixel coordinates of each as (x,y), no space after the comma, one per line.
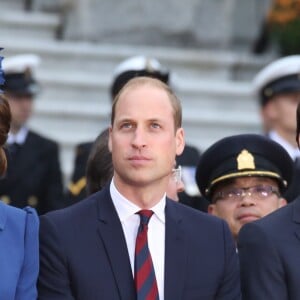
(149,66)
(268,92)
(27,73)
(245,160)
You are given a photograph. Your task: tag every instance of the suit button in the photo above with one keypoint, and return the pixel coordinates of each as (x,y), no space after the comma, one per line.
(32,201)
(5,199)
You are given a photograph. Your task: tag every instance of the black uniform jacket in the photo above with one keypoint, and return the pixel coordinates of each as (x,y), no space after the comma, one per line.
(33,176)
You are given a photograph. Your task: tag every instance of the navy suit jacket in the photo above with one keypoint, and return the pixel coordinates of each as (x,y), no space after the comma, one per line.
(269,251)
(83,254)
(19,257)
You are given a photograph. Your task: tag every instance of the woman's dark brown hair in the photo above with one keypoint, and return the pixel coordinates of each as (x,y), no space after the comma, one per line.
(5,118)
(99,169)
(298,126)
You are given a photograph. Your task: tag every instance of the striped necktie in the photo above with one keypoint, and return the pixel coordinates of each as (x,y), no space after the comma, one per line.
(144,275)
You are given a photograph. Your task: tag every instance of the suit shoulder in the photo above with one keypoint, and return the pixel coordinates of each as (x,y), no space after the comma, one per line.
(42,140)
(275,225)
(274,219)
(195,215)
(73,212)
(9,214)
(7,211)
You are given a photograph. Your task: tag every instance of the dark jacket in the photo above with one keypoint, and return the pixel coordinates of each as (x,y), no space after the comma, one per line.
(33,176)
(83,254)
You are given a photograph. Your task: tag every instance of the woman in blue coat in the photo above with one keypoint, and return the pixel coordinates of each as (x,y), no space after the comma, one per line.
(19,259)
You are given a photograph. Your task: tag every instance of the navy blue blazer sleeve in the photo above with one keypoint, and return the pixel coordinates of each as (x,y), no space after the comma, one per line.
(262,272)
(53,282)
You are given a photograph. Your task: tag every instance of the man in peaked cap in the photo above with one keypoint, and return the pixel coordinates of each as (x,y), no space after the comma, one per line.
(277,86)
(136,66)
(244,177)
(33,176)
(269,253)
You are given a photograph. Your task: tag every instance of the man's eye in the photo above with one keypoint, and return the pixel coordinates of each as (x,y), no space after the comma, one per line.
(155,125)
(234,193)
(126,125)
(259,189)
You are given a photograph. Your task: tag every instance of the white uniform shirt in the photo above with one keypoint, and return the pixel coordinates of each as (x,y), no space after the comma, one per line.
(294,152)
(19,137)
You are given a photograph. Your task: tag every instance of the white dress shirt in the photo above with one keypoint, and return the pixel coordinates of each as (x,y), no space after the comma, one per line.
(156,232)
(18,138)
(294,152)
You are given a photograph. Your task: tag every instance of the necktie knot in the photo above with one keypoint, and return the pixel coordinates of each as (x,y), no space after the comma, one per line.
(145,215)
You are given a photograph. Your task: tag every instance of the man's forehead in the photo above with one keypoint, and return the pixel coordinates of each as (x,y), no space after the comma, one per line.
(240,181)
(133,100)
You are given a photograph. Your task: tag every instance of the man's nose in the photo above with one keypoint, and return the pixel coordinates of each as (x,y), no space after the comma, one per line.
(247,199)
(139,138)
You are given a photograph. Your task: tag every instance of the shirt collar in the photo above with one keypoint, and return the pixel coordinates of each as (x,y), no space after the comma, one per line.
(292,151)
(126,208)
(19,137)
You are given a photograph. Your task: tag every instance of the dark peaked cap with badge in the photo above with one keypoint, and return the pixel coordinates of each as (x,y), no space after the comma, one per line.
(241,156)
(279,77)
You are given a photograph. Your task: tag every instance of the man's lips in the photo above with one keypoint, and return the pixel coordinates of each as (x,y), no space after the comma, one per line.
(138,157)
(138,160)
(247,217)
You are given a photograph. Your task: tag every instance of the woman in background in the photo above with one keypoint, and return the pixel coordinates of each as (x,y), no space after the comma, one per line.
(19,259)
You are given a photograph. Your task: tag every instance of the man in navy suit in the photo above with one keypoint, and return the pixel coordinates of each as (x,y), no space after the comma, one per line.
(87,249)
(33,176)
(269,251)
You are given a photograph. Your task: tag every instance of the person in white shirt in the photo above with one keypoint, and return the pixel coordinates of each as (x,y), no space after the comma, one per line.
(277,86)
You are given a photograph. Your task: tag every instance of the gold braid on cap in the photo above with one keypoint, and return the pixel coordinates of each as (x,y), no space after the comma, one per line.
(245,161)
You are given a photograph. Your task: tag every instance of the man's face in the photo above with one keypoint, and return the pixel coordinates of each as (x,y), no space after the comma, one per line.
(245,209)
(21,109)
(282,112)
(143,139)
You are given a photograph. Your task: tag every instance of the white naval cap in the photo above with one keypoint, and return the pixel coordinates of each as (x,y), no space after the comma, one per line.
(280,76)
(18,71)
(137,66)
(20,63)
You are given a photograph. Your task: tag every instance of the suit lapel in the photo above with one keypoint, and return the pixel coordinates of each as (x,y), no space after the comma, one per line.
(296,216)
(112,236)
(175,253)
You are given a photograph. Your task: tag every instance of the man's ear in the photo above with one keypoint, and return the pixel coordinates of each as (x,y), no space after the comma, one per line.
(109,139)
(211,209)
(180,142)
(282,202)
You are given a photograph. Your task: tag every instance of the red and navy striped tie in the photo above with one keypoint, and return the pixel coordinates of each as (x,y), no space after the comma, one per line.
(144,275)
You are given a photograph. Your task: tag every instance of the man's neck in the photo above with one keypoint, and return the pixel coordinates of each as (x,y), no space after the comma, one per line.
(14,129)
(289,137)
(143,196)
